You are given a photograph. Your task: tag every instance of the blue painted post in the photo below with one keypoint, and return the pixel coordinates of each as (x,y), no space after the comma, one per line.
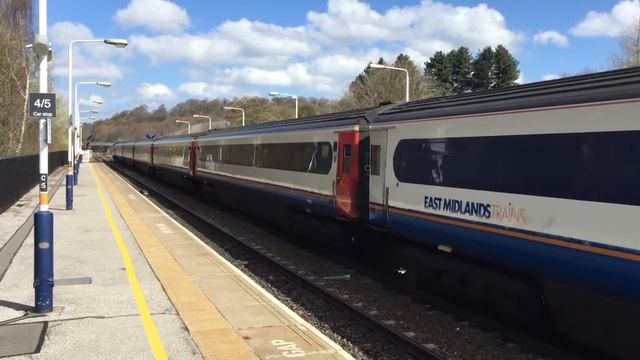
(69,185)
(43,261)
(76,168)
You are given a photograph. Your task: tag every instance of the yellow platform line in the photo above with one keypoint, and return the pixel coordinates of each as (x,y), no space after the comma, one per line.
(212,333)
(147,321)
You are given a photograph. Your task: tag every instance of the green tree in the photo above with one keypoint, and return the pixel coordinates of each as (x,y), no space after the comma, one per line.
(505,68)
(461,69)
(483,69)
(438,69)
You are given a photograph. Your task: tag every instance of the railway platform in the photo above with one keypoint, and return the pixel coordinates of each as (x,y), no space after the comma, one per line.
(131,282)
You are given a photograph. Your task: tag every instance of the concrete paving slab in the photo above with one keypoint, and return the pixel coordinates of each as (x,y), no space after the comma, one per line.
(21,339)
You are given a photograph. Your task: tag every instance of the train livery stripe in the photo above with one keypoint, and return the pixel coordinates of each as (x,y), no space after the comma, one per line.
(261,183)
(512,233)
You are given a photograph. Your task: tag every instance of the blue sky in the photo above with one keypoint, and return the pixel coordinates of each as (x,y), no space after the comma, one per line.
(206,49)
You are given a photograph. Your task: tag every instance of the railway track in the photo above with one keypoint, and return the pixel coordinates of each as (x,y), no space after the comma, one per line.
(404,342)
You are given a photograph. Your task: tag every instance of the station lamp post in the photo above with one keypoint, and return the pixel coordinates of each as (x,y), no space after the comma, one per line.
(278,94)
(379,66)
(240,109)
(43,218)
(76,137)
(77,105)
(204,117)
(119,43)
(188,124)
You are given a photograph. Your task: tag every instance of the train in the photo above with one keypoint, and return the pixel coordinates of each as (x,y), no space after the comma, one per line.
(527,193)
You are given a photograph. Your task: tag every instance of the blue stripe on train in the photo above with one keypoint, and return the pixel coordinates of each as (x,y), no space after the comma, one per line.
(602,272)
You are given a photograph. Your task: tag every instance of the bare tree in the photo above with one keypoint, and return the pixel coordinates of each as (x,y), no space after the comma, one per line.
(629,48)
(16,68)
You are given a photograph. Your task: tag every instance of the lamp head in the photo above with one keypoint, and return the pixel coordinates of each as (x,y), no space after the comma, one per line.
(274,93)
(41,45)
(103,83)
(119,43)
(376,66)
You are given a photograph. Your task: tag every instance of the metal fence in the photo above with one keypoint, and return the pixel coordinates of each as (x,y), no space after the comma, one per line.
(19,174)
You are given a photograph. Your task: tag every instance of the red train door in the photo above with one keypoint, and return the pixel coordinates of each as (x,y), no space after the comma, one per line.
(347,174)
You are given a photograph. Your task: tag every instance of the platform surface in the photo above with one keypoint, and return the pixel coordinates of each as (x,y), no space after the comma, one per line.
(155,291)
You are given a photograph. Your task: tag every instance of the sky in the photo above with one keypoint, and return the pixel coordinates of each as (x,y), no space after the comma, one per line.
(207,49)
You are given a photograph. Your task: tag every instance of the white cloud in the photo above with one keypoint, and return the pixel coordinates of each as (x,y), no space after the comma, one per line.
(551,37)
(521,80)
(88,68)
(61,33)
(156,15)
(427,27)
(203,90)
(622,17)
(155,92)
(550,77)
(90,60)
(331,48)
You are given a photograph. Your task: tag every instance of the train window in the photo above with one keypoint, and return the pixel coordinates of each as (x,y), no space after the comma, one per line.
(238,154)
(301,157)
(346,163)
(375,159)
(597,166)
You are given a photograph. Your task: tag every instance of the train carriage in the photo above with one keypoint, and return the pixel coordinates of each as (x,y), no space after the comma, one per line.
(312,165)
(540,180)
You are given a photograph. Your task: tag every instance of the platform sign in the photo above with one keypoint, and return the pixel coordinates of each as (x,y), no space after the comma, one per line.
(42,105)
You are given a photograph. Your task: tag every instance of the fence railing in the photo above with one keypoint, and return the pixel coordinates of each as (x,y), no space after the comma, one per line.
(19,174)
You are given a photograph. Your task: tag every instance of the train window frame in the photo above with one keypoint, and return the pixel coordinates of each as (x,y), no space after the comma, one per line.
(309,157)
(346,158)
(375,159)
(554,165)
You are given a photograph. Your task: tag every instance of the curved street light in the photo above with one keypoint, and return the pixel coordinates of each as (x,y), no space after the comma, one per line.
(185,122)
(119,43)
(240,109)
(204,117)
(279,94)
(379,66)
(76,110)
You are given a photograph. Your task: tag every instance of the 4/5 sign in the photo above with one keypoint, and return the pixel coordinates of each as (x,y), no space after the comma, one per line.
(42,105)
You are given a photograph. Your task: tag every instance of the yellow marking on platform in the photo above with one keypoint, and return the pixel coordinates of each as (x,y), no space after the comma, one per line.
(214,336)
(147,321)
